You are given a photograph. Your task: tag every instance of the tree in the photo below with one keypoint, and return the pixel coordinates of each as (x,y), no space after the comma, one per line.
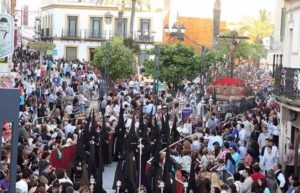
(257,28)
(42,47)
(245,50)
(119,58)
(177,62)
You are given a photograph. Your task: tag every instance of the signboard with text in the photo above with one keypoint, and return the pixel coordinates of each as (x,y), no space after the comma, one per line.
(6,35)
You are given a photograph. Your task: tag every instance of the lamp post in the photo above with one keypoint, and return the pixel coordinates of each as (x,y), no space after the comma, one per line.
(210,102)
(203,110)
(156,73)
(106,72)
(177,31)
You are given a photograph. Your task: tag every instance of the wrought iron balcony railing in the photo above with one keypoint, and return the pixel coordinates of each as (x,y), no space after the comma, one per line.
(287,83)
(71,34)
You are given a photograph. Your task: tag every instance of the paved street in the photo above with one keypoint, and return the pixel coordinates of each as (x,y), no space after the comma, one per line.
(109,171)
(108,177)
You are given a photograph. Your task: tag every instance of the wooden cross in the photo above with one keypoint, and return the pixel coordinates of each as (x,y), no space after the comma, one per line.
(234,37)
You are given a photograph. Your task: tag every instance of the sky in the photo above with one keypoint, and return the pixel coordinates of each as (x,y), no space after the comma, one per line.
(232,10)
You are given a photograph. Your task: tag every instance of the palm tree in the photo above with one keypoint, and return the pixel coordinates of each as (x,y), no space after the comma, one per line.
(257,28)
(133,6)
(120,17)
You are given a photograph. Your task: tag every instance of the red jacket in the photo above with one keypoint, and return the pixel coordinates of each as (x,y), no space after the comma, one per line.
(256,176)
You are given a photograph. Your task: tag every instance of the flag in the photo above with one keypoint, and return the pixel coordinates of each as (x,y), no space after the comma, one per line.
(175,136)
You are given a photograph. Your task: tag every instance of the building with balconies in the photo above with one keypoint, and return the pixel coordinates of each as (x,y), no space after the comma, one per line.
(287,81)
(77,27)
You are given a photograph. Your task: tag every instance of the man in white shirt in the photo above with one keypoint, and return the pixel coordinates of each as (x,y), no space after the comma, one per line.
(22,183)
(247,184)
(279,177)
(262,138)
(275,151)
(69,108)
(69,128)
(242,132)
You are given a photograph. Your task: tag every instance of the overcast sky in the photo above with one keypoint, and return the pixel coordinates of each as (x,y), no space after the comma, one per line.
(232,10)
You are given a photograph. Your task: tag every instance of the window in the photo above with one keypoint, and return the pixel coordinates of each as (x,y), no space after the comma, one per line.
(124,27)
(71,53)
(145,29)
(96,25)
(72,25)
(92,54)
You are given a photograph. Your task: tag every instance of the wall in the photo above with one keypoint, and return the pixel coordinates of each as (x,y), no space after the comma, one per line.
(286,128)
(292,35)
(60,22)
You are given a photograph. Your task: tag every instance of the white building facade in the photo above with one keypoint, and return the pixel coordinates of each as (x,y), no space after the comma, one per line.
(77,27)
(287,82)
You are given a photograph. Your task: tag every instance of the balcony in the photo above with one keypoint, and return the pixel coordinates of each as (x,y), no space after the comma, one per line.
(287,85)
(66,34)
(92,36)
(144,38)
(46,33)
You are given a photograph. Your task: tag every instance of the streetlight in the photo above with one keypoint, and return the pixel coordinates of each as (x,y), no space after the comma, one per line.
(156,72)
(202,106)
(210,102)
(177,31)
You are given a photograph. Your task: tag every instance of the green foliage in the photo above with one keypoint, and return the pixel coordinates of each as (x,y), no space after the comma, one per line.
(214,57)
(129,43)
(245,50)
(177,62)
(257,28)
(119,58)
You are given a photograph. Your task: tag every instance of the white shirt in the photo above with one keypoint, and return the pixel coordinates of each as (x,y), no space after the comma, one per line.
(186,163)
(22,185)
(281,179)
(183,130)
(69,129)
(242,134)
(243,152)
(274,152)
(69,109)
(38,72)
(267,161)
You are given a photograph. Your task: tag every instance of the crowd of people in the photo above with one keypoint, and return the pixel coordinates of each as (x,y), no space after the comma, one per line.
(181,143)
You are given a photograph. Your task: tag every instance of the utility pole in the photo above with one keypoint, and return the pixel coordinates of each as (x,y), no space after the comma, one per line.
(234,37)
(156,72)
